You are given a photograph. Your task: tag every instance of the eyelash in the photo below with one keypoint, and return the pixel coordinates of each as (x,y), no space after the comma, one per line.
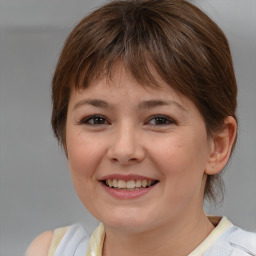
(87,120)
(164,120)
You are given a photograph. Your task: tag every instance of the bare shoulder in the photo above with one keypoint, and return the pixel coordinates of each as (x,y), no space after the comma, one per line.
(40,245)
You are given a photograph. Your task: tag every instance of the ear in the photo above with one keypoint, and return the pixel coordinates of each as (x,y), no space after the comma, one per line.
(221,146)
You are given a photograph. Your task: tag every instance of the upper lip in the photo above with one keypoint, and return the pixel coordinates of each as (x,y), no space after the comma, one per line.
(125,177)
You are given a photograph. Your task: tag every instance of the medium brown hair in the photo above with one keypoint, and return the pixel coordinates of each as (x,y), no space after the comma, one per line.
(186,48)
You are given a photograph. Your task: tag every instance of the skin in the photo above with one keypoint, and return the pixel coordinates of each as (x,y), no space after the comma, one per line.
(128,139)
(40,245)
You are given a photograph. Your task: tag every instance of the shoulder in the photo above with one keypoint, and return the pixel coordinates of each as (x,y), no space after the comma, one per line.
(76,239)
(243,239)
(40,245)
(61,241)
(236,242)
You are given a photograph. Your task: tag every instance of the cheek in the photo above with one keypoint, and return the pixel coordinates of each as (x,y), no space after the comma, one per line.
(83,159)
(180,154)
(181,160)
(83,155)
(182,169)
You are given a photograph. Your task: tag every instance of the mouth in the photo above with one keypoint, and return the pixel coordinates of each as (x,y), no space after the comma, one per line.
(129,185)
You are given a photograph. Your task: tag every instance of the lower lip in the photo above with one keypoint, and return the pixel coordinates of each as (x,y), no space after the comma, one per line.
(127,194)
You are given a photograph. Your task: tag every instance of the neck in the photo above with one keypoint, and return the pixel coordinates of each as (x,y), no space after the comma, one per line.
(172,239)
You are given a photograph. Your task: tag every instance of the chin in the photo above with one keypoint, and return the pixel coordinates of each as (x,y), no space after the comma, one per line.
(127,226)
(127,220)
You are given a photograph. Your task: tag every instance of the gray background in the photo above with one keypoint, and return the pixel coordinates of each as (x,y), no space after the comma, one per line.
(36,193)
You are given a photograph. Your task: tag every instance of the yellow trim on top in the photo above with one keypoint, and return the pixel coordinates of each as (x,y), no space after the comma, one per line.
(96,241)
(57,236)
(222,225)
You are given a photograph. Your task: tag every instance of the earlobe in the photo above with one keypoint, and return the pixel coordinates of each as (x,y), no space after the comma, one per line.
(221,147)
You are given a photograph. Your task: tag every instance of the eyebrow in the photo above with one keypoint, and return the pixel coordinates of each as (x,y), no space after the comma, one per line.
(94,102)
(148,104)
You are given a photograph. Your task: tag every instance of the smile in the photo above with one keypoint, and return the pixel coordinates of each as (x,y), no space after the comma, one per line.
(129,184)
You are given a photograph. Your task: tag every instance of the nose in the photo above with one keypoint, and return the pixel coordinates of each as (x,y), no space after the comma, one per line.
(126,146)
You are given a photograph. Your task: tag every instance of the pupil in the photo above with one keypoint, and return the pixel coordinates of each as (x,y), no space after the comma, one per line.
(99,120)
(160,120)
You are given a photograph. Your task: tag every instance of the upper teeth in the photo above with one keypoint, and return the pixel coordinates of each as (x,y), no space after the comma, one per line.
(130,184)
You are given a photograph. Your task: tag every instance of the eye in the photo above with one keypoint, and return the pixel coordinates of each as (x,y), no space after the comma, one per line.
(160,120)
(94,120)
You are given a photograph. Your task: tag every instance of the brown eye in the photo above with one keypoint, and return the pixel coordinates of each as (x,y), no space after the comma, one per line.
(95,120)
(160,120)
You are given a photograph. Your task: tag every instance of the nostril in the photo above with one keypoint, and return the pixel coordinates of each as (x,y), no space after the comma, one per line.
(124,159)
(125,155)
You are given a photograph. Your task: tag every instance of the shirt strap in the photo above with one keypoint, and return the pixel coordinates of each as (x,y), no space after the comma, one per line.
(58,234)
(96,241)
(222,225)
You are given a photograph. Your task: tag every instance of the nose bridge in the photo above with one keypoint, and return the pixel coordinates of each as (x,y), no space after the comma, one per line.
(125,144)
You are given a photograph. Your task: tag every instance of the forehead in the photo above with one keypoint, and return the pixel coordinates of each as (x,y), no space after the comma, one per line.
(121,86)
(119,76)
(114,73)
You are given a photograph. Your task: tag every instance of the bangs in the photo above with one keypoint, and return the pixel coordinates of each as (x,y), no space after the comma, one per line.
(144,40)
(171,40)
(139,51)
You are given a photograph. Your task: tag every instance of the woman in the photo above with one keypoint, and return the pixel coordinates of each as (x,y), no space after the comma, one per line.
(144,101)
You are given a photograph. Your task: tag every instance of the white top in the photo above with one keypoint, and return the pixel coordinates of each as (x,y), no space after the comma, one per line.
(225,240)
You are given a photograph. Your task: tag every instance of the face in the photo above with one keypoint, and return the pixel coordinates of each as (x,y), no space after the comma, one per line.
(137,155)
